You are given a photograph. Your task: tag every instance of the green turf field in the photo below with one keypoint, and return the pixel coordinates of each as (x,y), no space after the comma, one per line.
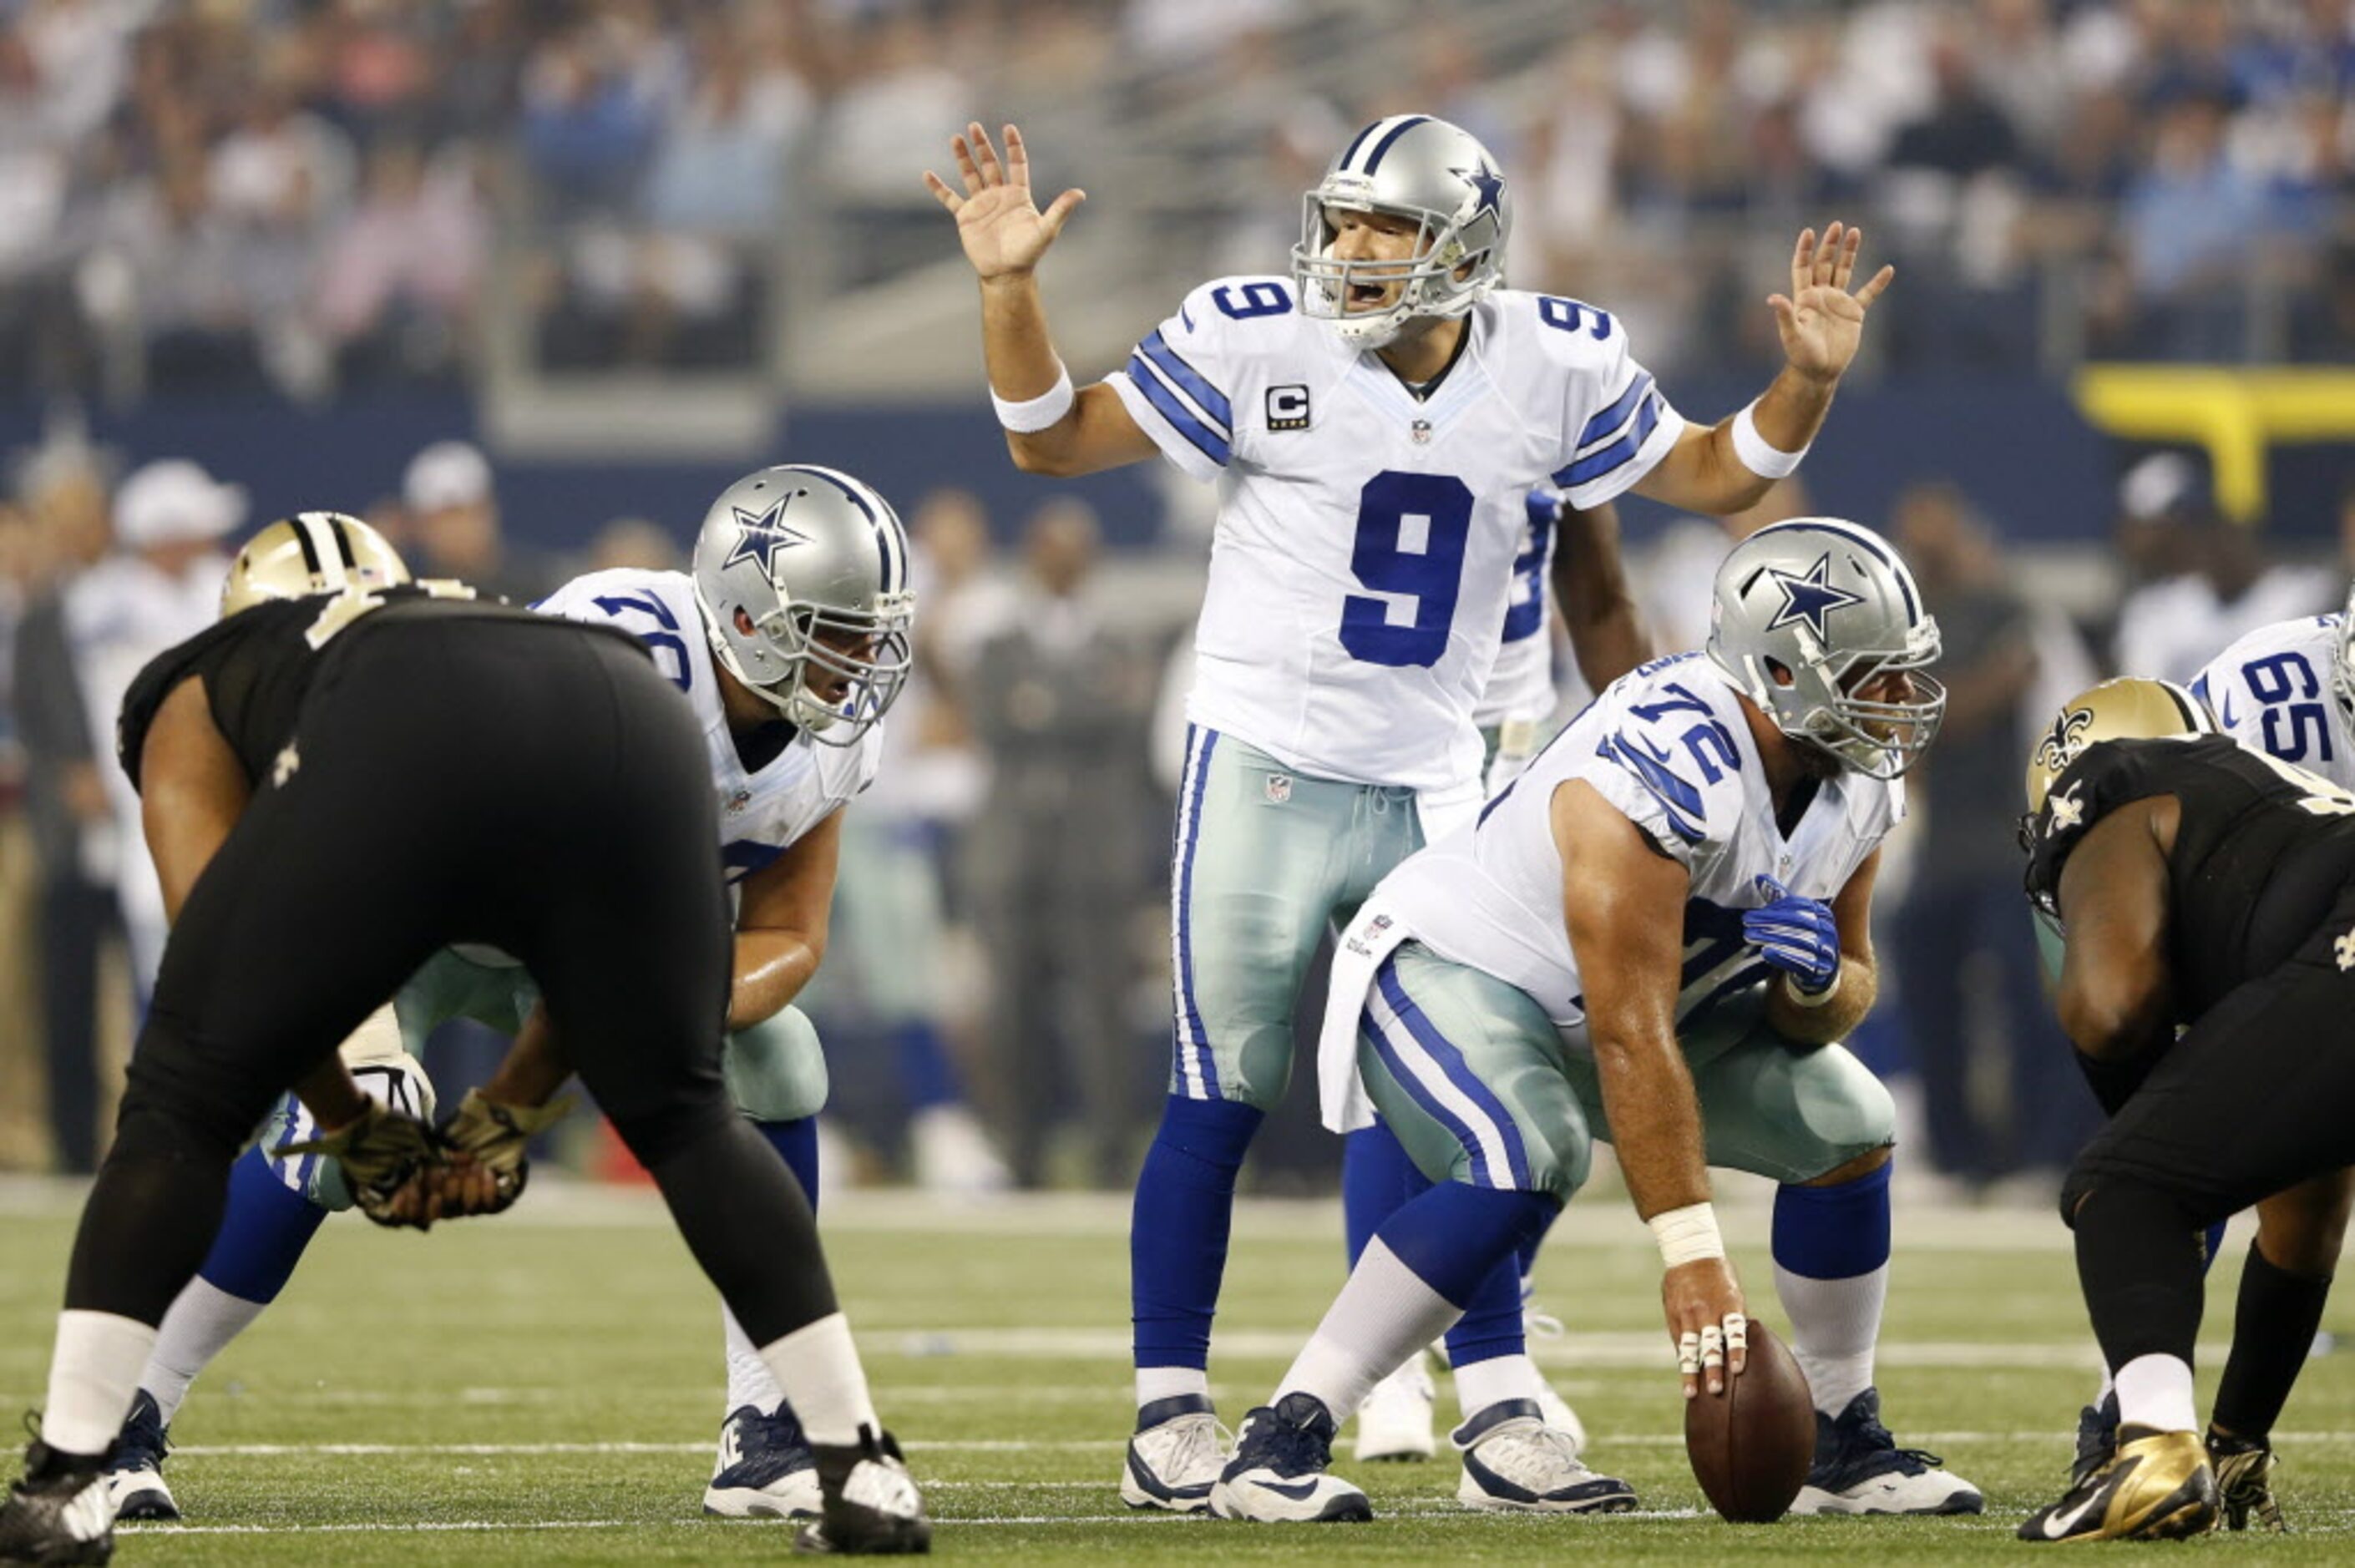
(544,1388)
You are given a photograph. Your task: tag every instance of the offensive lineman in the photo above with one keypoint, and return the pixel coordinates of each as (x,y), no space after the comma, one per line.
(1374,422)
(1654,935)
(793,565)
(2201,891)
(414,735)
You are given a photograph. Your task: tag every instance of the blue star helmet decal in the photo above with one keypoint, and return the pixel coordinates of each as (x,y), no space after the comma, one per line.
(1487,184)
(764,535)
(1811,597)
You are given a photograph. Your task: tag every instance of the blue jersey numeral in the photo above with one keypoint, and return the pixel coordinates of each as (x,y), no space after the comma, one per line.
(2292,729)
(1261,299)
(1567,315)
(678,667)
(1526,614)
(1424,562)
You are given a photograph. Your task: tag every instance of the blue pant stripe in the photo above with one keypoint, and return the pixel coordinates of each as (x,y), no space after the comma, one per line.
(1388,1049)
(1458,1072)
(1193,1041)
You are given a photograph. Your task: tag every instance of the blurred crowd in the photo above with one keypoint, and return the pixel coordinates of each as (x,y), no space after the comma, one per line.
(299,195)
(996,996)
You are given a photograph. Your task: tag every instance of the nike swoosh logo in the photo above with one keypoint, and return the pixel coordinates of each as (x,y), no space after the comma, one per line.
(1298,1491)
(2225,718)
(2060,1525)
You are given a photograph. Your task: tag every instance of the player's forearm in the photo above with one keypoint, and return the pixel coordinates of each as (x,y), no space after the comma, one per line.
(1018,352)
(1647,1096)
(1598,606)
(331,1094)
(534,1067)
(1836,1015)
(772,968)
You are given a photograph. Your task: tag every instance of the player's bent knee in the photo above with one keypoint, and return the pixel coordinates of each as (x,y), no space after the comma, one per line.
(1844,1115)
(776,1068)
(653,1134)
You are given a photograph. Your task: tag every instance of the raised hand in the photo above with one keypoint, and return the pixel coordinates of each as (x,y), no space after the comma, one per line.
(1003,231)
(1820,321)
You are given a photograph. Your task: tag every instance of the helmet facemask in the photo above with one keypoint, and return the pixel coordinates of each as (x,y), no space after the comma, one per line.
(1429,284)
(1876,737)
(2342,664)
(812,650)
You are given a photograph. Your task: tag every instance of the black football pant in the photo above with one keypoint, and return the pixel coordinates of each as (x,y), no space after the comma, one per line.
(538,787)
(2255,1097)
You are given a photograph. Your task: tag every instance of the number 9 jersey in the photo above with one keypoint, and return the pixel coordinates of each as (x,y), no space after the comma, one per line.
(1367,536)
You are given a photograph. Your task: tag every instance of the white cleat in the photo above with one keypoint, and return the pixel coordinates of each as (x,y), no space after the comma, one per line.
(1516,1461)
(1394,1424)
(1280,1471)
(951,1155)
(1176,1456)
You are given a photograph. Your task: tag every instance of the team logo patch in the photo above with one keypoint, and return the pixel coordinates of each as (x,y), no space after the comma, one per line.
(1287,407)
(1279,788)
(2344,950)
(285,766)
(1811,598)
(2067,810)
(2064,740)
(764,535)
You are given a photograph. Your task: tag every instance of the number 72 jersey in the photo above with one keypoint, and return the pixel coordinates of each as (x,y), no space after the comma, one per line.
(1366,541)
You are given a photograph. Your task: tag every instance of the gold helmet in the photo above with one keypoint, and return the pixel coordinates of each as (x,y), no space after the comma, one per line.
(310,552)
(2123,709)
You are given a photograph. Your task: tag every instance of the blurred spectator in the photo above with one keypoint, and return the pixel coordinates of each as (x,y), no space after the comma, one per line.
(72,829)
(2210,580)
(161,585)
(2191,220)
(1966,962)
(636,544)
(1058,703)
(399,285)
(454,523)
(24,1142)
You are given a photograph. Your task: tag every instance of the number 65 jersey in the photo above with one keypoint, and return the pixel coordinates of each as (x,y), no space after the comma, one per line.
(1668,746)
(2271,692)
(1366,540)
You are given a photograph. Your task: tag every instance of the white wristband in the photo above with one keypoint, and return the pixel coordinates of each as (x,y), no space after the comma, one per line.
(1687,1235)
(1765,461)
(1816,999)
(1047,408)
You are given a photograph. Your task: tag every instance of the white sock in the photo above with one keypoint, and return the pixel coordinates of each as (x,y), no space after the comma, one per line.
(2156,1391)
(203,1319)
(1495,1379)
(1834,1324)
(818,1367)
(1383,1315)
(1170,1383)
(750,1382)
(92,1378)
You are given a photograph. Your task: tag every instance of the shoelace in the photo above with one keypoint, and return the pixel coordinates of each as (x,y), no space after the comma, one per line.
(1520,1452)
(1286,1449)
(1870,1433)
(2098,1439)
(1196,1437)
(768,1438)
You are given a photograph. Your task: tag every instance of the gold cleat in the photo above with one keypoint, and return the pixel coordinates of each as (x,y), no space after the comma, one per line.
(2244,1484)
(2158,1487)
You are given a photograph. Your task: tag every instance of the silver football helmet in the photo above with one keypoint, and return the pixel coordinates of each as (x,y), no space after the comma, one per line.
(1807,617)
(1433,174)
(802,574)
(310,552)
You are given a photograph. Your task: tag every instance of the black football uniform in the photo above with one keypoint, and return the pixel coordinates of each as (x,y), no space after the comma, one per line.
(426,771)
(2258,1092)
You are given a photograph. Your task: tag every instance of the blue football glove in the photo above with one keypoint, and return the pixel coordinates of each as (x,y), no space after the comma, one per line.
(1797,936)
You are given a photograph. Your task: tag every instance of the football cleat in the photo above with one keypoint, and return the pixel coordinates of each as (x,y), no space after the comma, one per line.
(1176,1456)
(1516,1461)
(2158,1487)
(134,1473)
(1394,1424)
(1860,1468)
(2097,1437)
(765,1468)
(871,1507)
(1278,1474)
(2244,1483)
(59,1511)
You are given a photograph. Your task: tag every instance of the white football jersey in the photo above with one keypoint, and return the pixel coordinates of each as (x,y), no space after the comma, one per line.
(1521,683)
(1668,746)
(1364,556)
(762,813)
(2271,692)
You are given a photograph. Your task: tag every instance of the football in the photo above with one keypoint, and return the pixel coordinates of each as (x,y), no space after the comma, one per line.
(1751,1445)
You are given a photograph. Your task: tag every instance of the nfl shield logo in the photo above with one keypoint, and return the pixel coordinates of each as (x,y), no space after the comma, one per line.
(1421,431)
(739,801)
(1279,788)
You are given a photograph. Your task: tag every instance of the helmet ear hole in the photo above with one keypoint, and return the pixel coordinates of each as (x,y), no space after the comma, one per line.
(743,618)
(1780,673)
